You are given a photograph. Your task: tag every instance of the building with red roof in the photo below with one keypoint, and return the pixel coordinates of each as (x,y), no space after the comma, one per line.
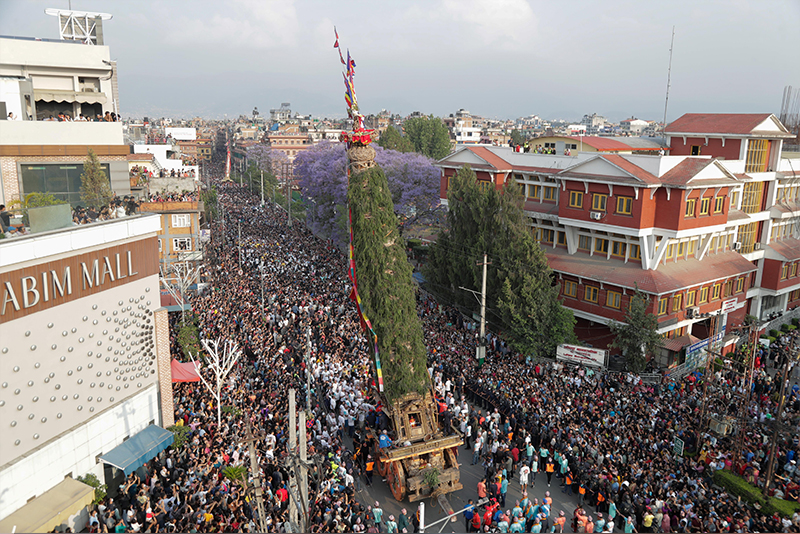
(702,235)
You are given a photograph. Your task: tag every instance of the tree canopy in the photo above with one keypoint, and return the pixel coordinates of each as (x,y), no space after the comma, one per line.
(385,284)
(638,336)
(95,184)
(392,139)
(321,175)
(516,137)
(428,135)
(522,298)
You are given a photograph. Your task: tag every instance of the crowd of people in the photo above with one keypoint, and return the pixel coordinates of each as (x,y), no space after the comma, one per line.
(109,116)
(174,196)
(116,209)
(282,295)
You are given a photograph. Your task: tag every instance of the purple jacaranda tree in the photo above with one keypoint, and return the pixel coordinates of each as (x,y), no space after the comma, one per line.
(321,175)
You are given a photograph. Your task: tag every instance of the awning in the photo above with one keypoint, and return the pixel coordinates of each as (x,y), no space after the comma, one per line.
(139,449)
(69,96)
(184,372)
(50,509)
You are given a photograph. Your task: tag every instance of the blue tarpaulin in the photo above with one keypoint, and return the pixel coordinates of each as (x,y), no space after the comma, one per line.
(139,449)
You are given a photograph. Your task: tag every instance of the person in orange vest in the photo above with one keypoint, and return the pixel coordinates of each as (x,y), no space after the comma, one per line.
(581,493)
(368,471)
(559,522)
(550,468)
(567,483)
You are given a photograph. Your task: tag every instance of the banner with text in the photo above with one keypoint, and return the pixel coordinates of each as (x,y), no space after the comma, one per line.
(582,355)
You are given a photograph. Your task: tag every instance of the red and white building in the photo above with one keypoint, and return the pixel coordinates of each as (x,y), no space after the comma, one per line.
(709,234)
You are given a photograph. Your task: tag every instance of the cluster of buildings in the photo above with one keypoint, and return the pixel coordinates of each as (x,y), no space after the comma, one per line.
(708,227)
(85,384)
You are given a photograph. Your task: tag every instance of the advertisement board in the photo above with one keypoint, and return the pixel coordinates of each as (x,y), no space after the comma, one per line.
(582,355)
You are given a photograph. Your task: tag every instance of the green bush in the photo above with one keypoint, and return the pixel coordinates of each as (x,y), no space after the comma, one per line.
(796,321)
(741,488)
(784,327)
(774,333)
(180,435)
(99,489)
(233,410)
(772,340)
(234,473)
(791,327)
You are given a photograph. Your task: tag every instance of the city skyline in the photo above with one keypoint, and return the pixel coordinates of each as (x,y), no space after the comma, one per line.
(500,60)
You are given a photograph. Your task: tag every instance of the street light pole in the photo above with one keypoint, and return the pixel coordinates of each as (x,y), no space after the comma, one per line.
(288,194)
(262,187)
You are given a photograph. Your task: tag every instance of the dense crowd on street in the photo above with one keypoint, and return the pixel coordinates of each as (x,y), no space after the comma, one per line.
(282,295)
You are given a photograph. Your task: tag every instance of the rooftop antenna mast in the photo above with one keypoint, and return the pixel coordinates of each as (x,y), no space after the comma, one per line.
(669,77)
(83,26)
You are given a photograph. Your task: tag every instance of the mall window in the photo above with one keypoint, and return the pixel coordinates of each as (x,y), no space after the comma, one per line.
(785,271)
(624,205)
(575,199)
(601,245)
(681,249)
(550,193)
(662,305)
(690,296)
(584,242)
(734,200)
(618,249)
(533,192)
(740,285)
(599,202)
(692,247)
(703,295)
(547,235)
(63,181)
(636,252)
(670,251)
(570,288)
(719,202)
(794,270)
(716,291)
(591,293)
(562,238)
(677,302)
(613,299)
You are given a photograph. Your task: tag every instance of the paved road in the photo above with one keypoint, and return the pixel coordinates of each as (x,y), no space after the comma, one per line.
(470,476)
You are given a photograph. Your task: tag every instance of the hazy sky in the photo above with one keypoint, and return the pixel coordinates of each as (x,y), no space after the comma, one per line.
(496,58)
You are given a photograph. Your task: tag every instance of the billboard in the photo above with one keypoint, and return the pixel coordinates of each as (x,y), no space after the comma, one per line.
(582,355)
(182,134)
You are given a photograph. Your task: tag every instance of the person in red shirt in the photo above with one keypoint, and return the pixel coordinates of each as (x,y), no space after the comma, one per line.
(283,495)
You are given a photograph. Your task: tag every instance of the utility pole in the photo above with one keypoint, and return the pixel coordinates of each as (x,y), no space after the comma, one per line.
(773,448)
(250,439)
(288,193)
(292,451)
(262,187)
(480,350)
(240,244)
(308,371)
(303,472)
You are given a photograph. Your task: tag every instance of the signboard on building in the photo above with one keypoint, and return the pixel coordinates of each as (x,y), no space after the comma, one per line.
(582,355)
(182,134)
(729,305)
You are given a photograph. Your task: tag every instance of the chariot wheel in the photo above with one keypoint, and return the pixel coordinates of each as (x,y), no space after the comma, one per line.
(396,477)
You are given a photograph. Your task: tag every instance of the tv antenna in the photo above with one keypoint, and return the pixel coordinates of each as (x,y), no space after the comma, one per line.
(83,26)
(669,76)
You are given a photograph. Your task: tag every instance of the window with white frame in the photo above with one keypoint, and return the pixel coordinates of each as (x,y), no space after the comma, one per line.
(181,220)
(182,243)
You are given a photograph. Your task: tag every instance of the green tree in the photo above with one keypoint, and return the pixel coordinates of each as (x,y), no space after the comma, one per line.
(385,285)
(428,135)
(209,198)
(95,185)
(521,295)
(516,137)
(638,336)
(392,140)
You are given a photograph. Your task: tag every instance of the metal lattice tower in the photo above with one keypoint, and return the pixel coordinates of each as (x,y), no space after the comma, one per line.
(83,26)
